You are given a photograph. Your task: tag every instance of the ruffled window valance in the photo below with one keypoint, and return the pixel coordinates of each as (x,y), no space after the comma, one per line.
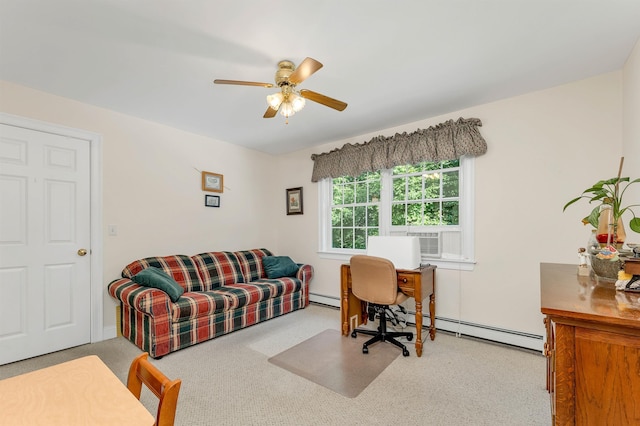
(445,141)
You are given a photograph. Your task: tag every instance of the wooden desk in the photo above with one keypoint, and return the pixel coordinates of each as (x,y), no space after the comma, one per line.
(417,283)
(79,392)
(592,349)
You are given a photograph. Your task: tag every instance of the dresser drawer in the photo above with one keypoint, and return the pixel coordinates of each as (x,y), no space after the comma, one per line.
(406,283)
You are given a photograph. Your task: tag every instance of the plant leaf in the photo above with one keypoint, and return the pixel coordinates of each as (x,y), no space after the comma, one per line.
(570,202)
(634,224)
(594,216)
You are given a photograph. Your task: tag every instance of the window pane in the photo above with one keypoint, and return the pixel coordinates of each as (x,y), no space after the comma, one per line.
(399,191)
(360,216)
(450,213)
(398,214)
(360,238)
(361,192)
(347,216)
(349,194)
(372,215)
(401,170)
(414,214)
(428,166)
(336,217)
(432,213)
(338,190)
(336,238)
(347,240)
(451,163)
(374,191)
(415,188)
(432,186)
(373,231)
(450,184)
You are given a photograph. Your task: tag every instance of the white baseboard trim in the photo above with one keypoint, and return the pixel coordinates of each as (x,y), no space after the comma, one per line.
(508,337)
(324,300)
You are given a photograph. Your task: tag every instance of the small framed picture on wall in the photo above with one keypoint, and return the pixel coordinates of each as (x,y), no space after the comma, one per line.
(212,182)
(294,201)
(212,200)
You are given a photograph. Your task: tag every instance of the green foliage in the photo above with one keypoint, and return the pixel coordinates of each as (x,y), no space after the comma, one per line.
(423,194)
(609,192)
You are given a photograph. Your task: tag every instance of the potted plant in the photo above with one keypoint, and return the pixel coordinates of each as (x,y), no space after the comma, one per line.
(609,193)
(607,218)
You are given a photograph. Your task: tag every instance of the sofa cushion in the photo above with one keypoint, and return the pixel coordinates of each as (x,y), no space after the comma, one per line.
(199,304)
(251,263)
(241,295)
(218,268)
(279,266)
(179,267)
(157,278)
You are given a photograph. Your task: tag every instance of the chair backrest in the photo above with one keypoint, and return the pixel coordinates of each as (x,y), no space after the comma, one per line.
(142,371)
(374,279)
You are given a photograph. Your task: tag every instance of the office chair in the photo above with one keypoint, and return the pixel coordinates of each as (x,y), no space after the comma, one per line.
(142,371)
(374,280)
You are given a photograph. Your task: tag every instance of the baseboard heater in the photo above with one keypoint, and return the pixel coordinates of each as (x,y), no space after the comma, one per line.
(495,334)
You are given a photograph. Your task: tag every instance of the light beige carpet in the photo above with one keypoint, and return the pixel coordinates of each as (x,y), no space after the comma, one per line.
(337,362)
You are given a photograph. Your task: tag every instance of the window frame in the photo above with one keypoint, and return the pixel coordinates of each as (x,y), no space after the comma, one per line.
(466,219)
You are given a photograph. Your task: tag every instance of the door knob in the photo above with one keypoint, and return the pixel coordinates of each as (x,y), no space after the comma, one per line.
(82,252)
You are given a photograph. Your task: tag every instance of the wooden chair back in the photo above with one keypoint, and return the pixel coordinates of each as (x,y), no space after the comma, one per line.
(142,371)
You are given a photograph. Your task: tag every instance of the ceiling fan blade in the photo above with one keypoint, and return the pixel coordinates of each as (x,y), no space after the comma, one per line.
(270,113)
(322,99)
(304,70)
(242,83)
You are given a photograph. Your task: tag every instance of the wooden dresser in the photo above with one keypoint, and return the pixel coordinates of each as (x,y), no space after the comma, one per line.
(592,348)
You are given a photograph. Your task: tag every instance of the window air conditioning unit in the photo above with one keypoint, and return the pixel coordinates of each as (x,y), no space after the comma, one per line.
(430,243)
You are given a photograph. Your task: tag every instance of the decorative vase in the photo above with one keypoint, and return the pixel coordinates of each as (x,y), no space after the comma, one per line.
(609,233)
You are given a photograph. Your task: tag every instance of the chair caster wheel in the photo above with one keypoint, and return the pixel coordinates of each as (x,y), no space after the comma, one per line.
(405,352)
(365,350)
(354,334)
(410,337)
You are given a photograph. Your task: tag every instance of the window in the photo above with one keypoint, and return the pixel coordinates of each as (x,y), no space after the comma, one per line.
(430,200)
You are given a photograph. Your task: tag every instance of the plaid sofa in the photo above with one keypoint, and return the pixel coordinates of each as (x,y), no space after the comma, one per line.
(224,292)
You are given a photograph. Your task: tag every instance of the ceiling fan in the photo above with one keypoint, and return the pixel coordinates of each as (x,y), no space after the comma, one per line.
(289,100)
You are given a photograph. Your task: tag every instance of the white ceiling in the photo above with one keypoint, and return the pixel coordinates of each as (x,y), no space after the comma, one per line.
(393,62)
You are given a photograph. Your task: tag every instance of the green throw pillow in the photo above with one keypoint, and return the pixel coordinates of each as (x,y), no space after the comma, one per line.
(157,278)
(279,266)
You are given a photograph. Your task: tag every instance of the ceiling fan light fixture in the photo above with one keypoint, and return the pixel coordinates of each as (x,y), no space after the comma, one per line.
(286,109)
(297,102)
(275,100)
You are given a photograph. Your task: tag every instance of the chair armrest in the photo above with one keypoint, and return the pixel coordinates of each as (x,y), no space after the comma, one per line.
(144,299)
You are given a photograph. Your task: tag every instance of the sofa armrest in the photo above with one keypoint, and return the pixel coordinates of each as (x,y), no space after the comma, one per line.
(144,299)
(305,273)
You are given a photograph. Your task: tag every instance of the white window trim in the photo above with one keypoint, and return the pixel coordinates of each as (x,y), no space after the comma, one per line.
(467,220)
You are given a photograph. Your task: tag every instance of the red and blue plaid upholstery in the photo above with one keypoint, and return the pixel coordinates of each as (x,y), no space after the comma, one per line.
(251,263)
(156,325)
(218,269)
(181,268)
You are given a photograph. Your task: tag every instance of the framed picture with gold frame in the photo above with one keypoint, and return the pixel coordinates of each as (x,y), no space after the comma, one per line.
(294,201)
(212,182)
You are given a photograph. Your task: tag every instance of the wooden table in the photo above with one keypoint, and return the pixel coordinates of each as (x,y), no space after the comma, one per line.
(79,392)
(592,348)
(417,283)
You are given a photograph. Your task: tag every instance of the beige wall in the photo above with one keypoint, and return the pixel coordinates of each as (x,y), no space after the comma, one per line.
(631,127)
(544,149)
(152,190)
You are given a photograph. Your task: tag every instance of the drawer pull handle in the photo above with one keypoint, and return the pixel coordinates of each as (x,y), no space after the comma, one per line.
(404,280)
